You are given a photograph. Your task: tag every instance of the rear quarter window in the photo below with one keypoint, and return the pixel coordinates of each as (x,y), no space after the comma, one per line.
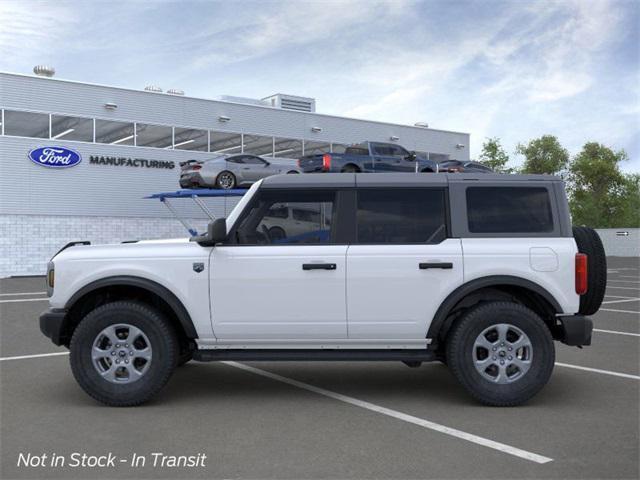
(509,210)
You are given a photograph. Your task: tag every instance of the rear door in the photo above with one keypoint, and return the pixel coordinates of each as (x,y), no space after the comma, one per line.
(402,264)
(279,279)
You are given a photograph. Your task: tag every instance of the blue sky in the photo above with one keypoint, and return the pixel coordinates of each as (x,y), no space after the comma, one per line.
(515,70)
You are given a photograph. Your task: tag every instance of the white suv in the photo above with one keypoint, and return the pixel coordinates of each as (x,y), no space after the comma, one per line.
(479,271)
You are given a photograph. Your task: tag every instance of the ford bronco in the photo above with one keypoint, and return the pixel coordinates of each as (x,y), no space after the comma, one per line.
(479,271)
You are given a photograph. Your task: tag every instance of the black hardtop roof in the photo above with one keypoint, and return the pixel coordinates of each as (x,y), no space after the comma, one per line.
(344,180)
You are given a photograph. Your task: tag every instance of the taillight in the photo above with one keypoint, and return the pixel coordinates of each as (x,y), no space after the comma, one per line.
(581,274)
(326,162)
(299,162)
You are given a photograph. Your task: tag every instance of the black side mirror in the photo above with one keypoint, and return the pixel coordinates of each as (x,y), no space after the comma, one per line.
(216,233)
(217,230)
(412,156)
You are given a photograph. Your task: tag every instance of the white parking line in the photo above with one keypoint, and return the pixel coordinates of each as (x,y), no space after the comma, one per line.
(40,355)
(597,370)
(616,332)
(628,276)
(622,288)
(16,300)
(618,311)
(622,301)
(485,442)
(623,281)
(21,293)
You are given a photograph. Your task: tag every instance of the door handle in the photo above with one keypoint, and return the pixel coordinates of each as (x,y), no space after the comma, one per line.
(318,266)
(442,265)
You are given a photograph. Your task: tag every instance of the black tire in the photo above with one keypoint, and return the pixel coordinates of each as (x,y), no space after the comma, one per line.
(350,169)
(222,183)
(184,359)
(292,172)
(460,351)
(164,349)
(588,242)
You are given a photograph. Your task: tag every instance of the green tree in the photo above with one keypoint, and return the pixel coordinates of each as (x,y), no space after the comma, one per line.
(543,155)
(601,196)
(494,156)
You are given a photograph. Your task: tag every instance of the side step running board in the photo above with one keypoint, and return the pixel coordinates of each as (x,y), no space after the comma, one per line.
(315,355)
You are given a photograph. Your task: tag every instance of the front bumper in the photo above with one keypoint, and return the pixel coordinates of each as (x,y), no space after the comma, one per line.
(53,325)
(575,330)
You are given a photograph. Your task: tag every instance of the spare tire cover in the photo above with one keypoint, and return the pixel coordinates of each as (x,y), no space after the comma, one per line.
(589,243)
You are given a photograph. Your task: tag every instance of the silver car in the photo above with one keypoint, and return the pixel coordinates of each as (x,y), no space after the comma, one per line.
(231,171)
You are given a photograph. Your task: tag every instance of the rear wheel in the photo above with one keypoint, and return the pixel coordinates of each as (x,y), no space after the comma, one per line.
(501,352)
(589,243)
(350,169)
(292,172)
(123,353)
(226,180)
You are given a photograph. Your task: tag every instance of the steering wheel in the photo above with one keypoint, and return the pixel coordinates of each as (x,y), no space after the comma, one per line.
(265,232)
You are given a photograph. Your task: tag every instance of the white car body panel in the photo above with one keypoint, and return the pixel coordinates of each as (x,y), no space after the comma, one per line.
(169,264)
(484,257)
(388,296)
(251,284)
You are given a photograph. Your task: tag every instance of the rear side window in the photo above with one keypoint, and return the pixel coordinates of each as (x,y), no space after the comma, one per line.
(401,216)
(509,210)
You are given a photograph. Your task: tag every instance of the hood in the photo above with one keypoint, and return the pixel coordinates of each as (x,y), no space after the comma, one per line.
(174,247)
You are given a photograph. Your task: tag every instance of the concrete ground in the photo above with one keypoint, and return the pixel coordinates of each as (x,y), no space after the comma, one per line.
(328,420)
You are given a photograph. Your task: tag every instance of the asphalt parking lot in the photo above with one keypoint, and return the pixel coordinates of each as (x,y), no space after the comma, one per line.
(329,420)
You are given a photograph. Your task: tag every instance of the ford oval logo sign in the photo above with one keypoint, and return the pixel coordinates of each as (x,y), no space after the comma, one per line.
(55,157)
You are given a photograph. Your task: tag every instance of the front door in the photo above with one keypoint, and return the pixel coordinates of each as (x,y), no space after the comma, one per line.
(402,264)
(284,275)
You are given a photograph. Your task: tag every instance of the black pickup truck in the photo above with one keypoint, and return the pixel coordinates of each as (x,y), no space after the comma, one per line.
(370,157)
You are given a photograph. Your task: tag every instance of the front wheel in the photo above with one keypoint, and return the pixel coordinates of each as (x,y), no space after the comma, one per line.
(501,352)
(123,353)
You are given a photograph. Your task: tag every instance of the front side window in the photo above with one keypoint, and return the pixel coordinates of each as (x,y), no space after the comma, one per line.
(269,223)
(509,210)
(251,160)
(401,216)
(26,124)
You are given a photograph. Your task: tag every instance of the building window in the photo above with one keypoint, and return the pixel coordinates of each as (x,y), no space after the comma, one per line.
(71,128)
(258,145)
(191,139)
(226,143)
(509,210)
(313,148)
(287,148)
(26,124)
(157,136)
(114,133)
(401,216)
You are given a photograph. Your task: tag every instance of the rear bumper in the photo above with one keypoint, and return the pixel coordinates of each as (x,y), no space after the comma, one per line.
(575,330)
(52,325)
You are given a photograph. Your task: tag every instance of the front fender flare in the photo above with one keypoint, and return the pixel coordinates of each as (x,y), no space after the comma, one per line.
(127,280)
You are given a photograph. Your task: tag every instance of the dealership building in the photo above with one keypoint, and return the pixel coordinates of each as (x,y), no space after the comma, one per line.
(128,145)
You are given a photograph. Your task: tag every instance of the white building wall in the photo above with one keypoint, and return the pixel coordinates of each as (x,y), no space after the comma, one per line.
(620,242)
(28,242)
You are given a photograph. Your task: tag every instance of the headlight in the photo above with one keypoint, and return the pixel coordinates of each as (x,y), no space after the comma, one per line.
(51,274)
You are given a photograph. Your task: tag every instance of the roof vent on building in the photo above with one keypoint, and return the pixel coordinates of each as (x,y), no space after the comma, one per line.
(44,71)
(175,91)
(291,102)
(421,124)
(153,88)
